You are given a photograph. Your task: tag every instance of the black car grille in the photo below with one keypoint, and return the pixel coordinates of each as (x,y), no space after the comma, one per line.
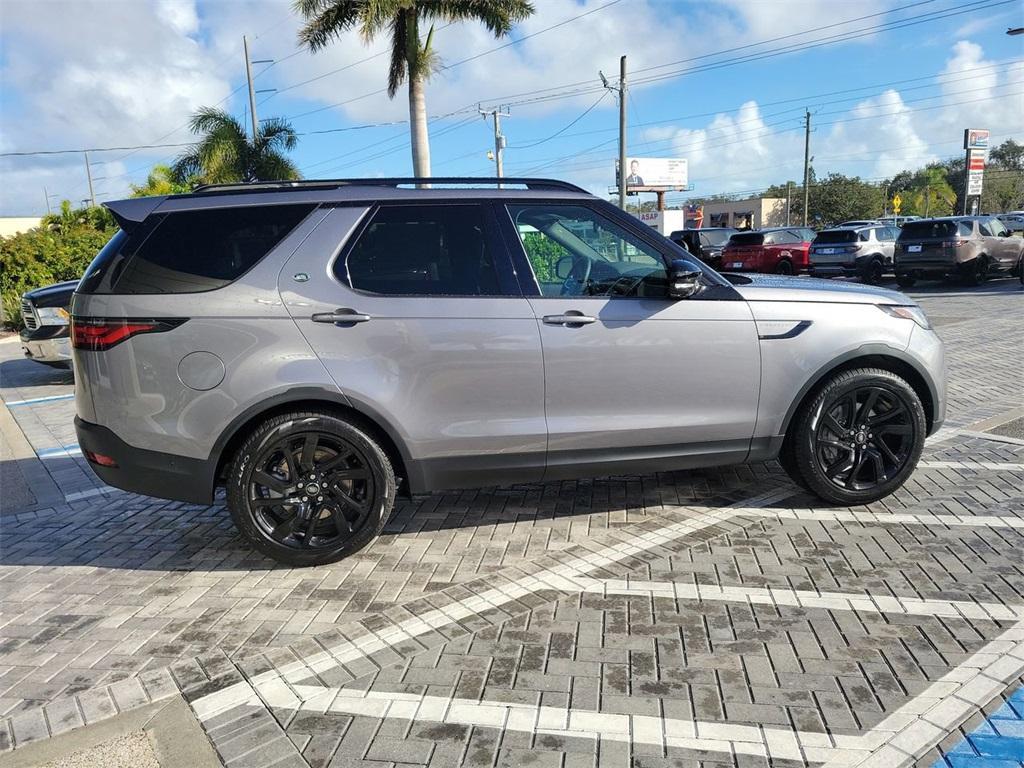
(28,315)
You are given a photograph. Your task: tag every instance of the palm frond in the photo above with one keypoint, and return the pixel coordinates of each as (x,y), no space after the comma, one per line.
(400,62)
(499,16)
(326,21)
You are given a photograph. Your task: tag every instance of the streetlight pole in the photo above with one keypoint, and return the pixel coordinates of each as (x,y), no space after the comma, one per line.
(807,163)
(622,133)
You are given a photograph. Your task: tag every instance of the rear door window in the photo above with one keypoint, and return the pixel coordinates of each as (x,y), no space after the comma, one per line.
(193,251)
(423,250)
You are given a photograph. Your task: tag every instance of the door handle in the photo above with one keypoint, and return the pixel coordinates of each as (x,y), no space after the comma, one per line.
(342,316)
(570,318)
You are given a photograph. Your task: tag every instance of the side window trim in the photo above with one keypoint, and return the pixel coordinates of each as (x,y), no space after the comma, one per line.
(507,283)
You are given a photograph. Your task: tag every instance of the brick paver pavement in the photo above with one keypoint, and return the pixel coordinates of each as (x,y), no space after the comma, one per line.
(695,618)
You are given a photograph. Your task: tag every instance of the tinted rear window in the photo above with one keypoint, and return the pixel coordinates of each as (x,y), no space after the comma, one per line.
(191,251)
(747,238)
(928,229)
(836,236)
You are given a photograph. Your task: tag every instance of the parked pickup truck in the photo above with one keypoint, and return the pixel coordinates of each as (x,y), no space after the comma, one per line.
(45,312)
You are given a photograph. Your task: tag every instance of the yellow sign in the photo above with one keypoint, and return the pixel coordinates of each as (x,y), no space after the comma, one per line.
(897,201)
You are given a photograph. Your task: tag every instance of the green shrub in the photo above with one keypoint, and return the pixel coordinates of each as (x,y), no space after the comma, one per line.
(59,249)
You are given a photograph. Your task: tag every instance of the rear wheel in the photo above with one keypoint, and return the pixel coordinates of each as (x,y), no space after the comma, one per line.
(309,488)
(977,273)
(873,271)
(784,268)
(859,438)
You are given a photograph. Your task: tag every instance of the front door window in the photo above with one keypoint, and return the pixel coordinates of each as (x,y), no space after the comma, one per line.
(574,251)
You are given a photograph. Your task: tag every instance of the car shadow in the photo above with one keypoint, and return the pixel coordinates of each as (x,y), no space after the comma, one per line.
(29,373)
(125,531)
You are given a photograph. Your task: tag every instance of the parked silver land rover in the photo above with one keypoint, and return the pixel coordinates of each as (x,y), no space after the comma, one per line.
(318,347)
(864,251)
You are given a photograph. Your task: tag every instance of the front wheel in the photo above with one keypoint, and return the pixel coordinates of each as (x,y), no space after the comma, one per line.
(859,438)
(905,281)
(309,488)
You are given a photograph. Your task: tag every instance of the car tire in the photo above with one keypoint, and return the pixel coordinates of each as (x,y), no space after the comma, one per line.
(850,466)
(784,268)
(346,467)
(977,272)
(905,281)
(873,271)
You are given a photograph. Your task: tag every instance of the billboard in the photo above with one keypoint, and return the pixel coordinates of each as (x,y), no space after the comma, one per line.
(654,173)
(975,138)
(975,169)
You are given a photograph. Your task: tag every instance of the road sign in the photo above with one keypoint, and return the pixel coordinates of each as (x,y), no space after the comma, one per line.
(897,201)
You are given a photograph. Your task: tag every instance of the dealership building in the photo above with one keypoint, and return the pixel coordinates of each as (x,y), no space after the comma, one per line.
(753,213)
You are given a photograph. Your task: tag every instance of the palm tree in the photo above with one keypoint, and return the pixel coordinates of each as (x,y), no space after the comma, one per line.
(411,59)
(225,153)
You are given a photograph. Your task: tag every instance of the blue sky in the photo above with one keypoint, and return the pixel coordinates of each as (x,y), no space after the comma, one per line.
(128,72)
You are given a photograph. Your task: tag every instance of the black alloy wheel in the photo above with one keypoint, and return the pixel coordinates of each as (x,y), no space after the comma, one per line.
(864,438)
(309,488)
(857,438)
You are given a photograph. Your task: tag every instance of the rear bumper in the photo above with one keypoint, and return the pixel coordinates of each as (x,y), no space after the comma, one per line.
(47,344)
(151,473)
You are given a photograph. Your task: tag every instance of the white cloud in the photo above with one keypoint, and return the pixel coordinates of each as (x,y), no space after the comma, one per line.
(98,74)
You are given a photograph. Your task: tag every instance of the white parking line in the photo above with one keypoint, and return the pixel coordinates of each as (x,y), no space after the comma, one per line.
(60,452)
(561,577)
(924,721)
(889,518)
(999,466)
(800,598)
(730,738)
(34,400)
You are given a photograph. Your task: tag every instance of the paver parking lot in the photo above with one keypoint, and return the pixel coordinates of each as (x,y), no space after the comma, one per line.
(715,618)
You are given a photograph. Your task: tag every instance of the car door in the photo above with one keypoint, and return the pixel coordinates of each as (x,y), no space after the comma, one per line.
(417,315)
(1004,250)
(631,378)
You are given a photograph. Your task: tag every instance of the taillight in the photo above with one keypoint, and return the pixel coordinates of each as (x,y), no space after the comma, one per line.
(98,334)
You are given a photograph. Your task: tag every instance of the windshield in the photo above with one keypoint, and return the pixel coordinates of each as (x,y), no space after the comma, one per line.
(713,238)
(836,236)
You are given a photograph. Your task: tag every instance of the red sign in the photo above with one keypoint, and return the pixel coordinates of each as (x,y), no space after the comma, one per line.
(695,213)
(977,160)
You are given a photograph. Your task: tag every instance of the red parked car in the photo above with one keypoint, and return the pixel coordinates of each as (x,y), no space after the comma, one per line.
(782,250)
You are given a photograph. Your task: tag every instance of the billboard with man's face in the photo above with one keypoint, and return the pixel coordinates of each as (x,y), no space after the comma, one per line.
(656,172)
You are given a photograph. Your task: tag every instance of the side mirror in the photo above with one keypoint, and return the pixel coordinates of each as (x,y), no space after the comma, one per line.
(563,267)
(683,280)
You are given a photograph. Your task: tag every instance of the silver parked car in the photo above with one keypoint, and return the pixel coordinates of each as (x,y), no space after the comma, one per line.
(864,251)
(318,347)
(971,247)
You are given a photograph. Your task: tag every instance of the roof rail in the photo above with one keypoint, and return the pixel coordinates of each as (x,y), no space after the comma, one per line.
(260,186)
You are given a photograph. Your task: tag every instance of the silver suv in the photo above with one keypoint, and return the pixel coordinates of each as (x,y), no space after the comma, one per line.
(862,251)
(318,347)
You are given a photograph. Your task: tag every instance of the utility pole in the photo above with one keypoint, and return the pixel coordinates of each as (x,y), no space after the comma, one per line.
(252,92)
(88,175)
(789,198)
(807,164)
(47,196)
(499,138)
(622,133)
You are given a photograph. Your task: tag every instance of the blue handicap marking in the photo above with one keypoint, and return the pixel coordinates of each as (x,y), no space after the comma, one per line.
(996,743)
